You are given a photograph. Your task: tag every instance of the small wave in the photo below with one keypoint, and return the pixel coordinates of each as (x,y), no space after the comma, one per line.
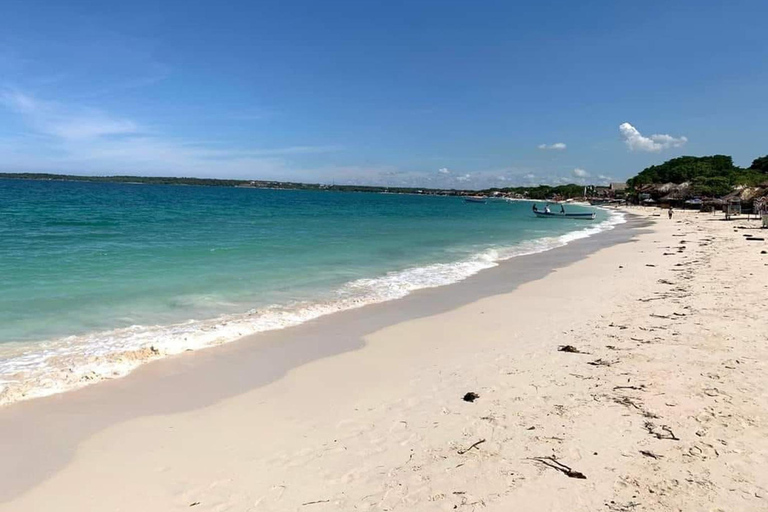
(29,370)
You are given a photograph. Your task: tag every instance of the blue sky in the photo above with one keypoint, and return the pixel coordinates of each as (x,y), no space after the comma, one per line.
(423,93)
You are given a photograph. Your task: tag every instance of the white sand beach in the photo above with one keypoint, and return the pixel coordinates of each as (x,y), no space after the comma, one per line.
(662,407)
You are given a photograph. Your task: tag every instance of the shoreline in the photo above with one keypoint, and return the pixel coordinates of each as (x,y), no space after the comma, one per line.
(670,366)
(73,362)
(292,342)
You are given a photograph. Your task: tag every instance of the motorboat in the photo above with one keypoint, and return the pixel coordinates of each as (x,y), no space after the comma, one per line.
(549,214)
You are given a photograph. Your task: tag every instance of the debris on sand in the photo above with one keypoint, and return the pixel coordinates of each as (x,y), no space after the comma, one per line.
(559,466)
(473,445)
(663,432)
(600,362)
(470,397)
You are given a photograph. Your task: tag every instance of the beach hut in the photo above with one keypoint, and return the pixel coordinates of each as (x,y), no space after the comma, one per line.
(675,194)
(695,203)
(713,205)
(733,207)
(761,209)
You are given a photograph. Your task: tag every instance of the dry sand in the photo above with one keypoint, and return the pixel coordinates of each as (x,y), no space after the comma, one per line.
(665,409)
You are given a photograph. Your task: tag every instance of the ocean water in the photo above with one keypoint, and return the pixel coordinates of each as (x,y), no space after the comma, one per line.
(97,278)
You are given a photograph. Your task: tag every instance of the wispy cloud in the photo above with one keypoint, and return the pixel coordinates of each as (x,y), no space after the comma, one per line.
(82,139)
(69,124)
(635,141)
(444,170)
(603,179)
(557,146)
(580,173)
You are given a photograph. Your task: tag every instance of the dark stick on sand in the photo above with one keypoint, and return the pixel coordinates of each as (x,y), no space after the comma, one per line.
(474,445)
(559,466)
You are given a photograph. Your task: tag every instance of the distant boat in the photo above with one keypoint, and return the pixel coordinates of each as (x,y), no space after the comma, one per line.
(474,199)
(547,213)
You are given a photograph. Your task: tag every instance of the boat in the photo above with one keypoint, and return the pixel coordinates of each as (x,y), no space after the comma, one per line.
(547,213)
(586,216)
(474,199)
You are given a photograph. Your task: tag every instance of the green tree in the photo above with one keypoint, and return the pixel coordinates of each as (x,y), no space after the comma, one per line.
(760,164)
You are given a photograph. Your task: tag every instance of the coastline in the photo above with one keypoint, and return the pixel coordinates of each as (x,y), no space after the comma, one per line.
(362,409)
(292,346)
(59,365)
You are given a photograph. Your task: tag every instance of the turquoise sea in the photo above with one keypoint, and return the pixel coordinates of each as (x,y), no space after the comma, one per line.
(95,278)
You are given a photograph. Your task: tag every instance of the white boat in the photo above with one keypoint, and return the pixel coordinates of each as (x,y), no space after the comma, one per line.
(547,213)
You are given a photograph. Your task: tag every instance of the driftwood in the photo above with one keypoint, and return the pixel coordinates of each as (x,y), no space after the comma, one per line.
(474,445)
(559,466)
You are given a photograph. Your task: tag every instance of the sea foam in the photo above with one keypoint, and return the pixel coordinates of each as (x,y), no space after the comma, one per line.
(29,370)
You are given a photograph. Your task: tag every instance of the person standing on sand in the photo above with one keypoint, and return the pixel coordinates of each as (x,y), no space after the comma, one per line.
(670,213)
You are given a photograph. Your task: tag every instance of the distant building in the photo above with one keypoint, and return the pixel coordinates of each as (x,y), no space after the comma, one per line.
(618,187)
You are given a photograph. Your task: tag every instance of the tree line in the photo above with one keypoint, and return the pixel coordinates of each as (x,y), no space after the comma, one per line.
(712,176)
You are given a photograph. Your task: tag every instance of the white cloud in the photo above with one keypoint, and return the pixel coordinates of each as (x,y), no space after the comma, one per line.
(557,146)
(465,177)
(94,126)
(444,170)
(55,120)
(638,142)
(18,101)
(581,173)
(77,139)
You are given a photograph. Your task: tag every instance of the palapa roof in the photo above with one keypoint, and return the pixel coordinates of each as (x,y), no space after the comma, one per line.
(676,192)
(682,191)
(748,193)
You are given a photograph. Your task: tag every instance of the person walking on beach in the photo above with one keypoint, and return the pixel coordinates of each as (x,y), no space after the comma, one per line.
(670,213)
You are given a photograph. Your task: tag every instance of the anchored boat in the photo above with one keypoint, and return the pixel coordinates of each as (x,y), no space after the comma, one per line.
(548,213)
